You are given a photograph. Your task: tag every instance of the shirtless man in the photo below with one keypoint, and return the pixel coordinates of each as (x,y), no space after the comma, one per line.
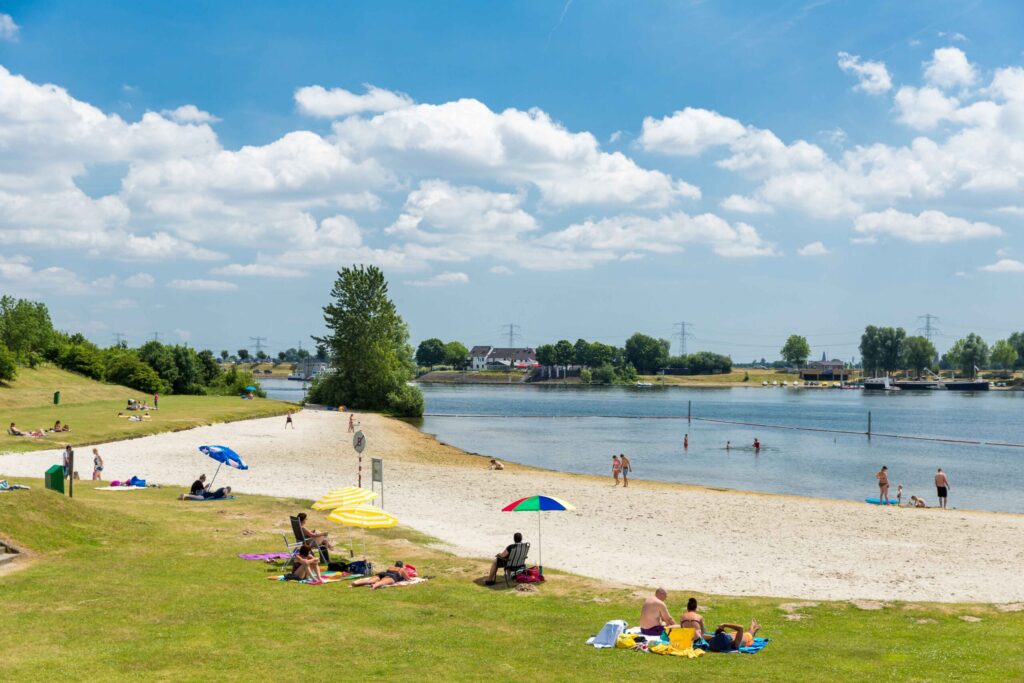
(627,467)
(942,486)
(693,619)
(883,484)
(654,616)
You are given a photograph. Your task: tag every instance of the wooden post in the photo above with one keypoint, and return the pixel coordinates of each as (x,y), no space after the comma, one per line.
(869,424)
(689,412)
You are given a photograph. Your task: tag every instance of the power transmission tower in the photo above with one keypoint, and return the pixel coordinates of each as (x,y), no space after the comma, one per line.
(259,343)
(928,329)
(512,330)
(683,334)
(118,338)
(156,336)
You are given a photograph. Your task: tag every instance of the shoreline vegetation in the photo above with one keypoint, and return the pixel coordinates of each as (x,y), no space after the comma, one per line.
(735,378)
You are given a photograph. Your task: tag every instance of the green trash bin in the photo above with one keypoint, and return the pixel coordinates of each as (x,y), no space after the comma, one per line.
(56,398)
(54,479)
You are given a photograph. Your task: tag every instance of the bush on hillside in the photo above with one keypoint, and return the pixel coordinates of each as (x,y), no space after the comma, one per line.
(8,368)
(407,401)
(83,358)
(129,371)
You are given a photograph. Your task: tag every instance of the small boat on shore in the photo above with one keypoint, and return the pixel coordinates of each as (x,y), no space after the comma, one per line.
(643,384)
(968,385)
(880,384)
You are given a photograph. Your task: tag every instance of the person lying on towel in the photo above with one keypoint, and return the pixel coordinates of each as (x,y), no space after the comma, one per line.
(388,577)
(720,641)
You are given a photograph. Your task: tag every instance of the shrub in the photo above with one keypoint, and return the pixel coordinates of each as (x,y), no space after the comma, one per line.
(407,401)
(129,371)
(585,376)
(8,368)
(83,358)
(604,374)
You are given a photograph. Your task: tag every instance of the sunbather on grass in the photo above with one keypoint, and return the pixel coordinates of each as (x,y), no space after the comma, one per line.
(654,616)
(692,619)
(720,641)
(305,565)
(388,577)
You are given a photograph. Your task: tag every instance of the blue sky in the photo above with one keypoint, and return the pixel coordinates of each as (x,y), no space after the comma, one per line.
(580,169)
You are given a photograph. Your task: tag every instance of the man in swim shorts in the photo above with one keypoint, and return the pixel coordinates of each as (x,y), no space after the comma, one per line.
(721,641)
(654,616)
(942,486)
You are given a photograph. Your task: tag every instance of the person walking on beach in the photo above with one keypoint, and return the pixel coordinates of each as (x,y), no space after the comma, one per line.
(627,467)
(883,485)
(351,423)
(97,465)
(156,400)
(288,420)
(942,486)
(616,468)
(68,456)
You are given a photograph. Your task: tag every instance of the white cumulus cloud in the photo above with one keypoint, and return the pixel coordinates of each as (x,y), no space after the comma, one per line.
(203,285)
(8,29)
(872,77)
(441,280)
(257,270)
(1005,265)
(316,100)
(189,113)
(949,68)
(813,249)
(927,226)
(139,281)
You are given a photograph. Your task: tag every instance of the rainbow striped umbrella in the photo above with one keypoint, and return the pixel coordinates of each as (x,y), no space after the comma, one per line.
(344,497)
(538,504)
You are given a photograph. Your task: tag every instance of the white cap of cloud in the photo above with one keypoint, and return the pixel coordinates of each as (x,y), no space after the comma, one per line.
(189,113)
(441,280)
(8,29)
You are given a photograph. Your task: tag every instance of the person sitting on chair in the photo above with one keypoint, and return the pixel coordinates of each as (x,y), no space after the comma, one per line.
(388,577)
(320,539)
(501,559)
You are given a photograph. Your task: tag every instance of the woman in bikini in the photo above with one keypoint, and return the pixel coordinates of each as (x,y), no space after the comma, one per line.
(388,577)
(97,465)
(616,468)
(305,565)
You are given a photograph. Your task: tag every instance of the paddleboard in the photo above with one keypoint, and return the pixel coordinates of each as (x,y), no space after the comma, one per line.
(876,501)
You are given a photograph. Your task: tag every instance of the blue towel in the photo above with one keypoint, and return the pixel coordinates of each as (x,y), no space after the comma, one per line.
(759,644)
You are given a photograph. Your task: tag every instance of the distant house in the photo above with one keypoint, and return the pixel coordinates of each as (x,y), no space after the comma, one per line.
(492,358)
(833,370)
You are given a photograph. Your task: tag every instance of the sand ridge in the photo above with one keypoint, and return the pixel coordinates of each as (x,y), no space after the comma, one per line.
(683,537)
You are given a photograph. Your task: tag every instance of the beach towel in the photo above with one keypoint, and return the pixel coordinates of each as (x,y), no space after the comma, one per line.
(759,644)
(411,582)
(119,488)
(328,577)
(608,634)
(660,648)
(203,500)
(265,556)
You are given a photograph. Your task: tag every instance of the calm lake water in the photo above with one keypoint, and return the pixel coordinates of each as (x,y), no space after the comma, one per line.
(592,423)
(284,389)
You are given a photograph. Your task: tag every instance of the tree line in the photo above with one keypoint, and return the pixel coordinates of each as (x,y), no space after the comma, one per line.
(28,339)
(433,352)
(887,349)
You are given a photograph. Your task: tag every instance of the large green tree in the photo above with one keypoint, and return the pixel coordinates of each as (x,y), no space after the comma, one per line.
(881,348)
(968,353)
(160,358)
(8,367)
(796,350)
(456,355)
(546,354)
(918,354)
(25,327)
(565,352)
(1004,354)
(430,352)
(1016,340)
(368,346)
(647,354)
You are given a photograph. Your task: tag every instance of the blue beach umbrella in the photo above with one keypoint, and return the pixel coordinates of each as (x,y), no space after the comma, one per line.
(250,388)
(224,456)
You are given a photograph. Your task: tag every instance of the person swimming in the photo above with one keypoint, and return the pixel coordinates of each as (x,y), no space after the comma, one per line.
(757,444)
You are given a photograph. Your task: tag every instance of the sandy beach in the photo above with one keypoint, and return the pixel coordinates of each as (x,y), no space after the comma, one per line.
(682,537)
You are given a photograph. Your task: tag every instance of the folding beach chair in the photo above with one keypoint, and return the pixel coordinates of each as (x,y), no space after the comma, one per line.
(515,563)
(300,538)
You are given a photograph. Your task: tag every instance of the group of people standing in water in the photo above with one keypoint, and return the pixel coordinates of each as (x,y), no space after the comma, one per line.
(621,466)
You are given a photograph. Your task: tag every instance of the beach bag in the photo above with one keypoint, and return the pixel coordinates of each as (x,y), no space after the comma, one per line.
(410,571)
(531,575)
(360,567)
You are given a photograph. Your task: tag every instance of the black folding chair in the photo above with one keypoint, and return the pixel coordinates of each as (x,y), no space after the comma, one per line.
(515,563)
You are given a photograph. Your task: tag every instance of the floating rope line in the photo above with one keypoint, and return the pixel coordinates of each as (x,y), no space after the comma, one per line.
(885,435)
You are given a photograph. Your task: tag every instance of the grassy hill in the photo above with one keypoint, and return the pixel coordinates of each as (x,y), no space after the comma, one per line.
(91,408)
(136,585)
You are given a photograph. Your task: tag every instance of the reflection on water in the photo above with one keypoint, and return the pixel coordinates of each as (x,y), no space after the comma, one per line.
(599,422)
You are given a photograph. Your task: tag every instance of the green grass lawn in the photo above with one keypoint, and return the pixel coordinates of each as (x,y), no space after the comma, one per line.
(91,408)
(140,586)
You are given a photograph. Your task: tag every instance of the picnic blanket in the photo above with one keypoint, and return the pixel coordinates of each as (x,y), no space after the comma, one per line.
(328,577)
(5,486)
(759,644)
(632,639)
(120,488)
(264,556)
(411,582)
